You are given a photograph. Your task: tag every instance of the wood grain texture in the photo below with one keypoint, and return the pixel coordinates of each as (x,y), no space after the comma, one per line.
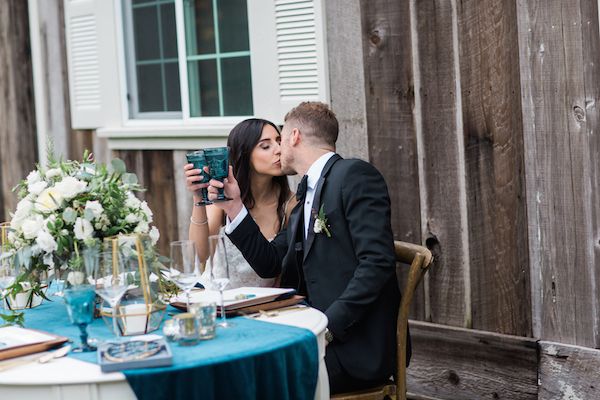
(559,60)
(456,363)
(183,198)
(568,372)
(390,101)
(18,142)
(500,284)
(443,168)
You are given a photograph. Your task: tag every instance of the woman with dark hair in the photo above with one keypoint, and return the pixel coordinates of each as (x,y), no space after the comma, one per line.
(254,156)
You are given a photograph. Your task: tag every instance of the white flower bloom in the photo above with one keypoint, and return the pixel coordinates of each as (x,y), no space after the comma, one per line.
(131,219)
(95,207)
(49,200)
(36,188)
(24,208)
(75,277)
(46,242)
(146,210)
(33,177)
(142,227)
(83,229)
(154,235)
(51,173)
(70,187)
(32,226)
(318,227)
(132,201)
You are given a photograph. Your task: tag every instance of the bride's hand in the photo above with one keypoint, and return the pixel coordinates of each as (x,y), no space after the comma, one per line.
(192,178)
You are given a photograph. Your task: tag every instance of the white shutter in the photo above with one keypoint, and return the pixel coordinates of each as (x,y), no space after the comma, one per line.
(92,62)
(288,55)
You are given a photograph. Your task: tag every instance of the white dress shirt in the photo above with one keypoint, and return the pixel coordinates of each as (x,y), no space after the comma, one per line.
(314,173)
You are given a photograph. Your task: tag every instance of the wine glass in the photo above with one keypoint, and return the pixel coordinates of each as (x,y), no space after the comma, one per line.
(183,269)
(80,298)
(219,271)
(218,161)
(199,160)
(110,277)
(8,273)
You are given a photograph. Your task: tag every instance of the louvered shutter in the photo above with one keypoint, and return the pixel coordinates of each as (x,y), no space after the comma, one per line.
(92,62)
(288,55)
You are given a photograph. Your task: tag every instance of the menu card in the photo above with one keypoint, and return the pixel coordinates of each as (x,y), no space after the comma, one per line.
(16,341)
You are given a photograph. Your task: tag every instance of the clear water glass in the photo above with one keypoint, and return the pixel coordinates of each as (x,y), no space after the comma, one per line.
(183,270)
(219,272)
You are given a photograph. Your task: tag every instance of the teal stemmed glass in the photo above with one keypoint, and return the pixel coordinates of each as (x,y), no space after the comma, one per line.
(80,299)
(218,162)
(199,160)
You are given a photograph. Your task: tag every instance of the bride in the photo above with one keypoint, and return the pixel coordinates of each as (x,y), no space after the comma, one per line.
(254,155)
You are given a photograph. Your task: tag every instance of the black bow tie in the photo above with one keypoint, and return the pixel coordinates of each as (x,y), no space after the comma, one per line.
(301,191)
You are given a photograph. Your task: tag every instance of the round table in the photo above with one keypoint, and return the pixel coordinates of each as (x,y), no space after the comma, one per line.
(68,378)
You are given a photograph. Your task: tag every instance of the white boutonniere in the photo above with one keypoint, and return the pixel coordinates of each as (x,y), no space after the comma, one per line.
(321,222)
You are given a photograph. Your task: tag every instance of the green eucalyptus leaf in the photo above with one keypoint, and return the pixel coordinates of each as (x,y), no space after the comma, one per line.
(118,166)
(69,215)
(88,214)
(129,178)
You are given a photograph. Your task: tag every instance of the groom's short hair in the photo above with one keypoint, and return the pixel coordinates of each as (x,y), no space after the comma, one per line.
(316,121)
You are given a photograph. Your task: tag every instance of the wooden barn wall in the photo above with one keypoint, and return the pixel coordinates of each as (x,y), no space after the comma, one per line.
(18,143)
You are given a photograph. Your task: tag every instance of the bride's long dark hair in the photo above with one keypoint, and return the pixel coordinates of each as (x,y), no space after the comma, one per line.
(242,140)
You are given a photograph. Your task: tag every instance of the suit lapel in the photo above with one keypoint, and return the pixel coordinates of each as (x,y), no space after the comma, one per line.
(316,204)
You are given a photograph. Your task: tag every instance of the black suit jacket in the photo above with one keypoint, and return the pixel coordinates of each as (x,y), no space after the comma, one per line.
(350,276)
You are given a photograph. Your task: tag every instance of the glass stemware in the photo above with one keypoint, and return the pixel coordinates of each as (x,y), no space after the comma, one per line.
(219,272)
(183,269)
(199,160)
(80,298)
(218,161)
(110,278)
(8,274)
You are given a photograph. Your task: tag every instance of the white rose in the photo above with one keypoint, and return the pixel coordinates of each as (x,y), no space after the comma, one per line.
(146,210)
(33,177)
(46,243)
(95,207)
(131,219)
(70,187)
(317,228)
(49,200)
(32,226)
(83,229)
(24,208)
(132,201)
(154,235)
(51,173)
(36,188)
(142,227)
(75,277)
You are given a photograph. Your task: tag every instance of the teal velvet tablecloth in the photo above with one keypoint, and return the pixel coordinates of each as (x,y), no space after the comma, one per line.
(252,360)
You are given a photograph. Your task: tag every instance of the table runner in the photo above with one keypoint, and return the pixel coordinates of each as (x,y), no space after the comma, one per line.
(253,360)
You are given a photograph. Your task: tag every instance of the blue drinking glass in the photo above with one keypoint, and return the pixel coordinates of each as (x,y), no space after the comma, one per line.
(81,301)
(199,160)
(218,162)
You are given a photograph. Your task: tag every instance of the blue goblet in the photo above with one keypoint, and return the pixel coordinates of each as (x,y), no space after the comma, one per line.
(81,300)
(218,162)
(199,160)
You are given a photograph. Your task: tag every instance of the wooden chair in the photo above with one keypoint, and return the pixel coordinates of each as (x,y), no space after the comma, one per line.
(420,259)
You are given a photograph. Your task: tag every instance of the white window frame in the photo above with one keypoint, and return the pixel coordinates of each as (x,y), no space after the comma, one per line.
(188,132)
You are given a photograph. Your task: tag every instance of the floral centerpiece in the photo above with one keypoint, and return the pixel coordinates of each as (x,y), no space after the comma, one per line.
(67,204)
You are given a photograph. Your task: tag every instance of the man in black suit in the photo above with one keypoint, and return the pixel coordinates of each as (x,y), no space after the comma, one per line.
(337,250)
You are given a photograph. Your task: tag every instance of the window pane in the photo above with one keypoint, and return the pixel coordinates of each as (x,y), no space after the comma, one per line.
(233,26)
(237,86)
(200,31)
(172,86)
(169,31)
(150,88)
(145,28)
(204,89)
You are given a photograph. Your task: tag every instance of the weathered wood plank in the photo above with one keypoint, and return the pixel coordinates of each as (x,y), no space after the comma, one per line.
(80,140)
(560,93)
(183,198)
(500,288)
(134,161)
(456,363)
(18,143)
(390,102)
(443,166)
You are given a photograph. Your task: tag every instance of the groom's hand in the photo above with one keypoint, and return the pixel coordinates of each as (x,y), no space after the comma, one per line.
(232,191)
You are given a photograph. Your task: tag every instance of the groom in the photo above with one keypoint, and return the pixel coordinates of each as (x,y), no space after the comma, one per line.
(337,250)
